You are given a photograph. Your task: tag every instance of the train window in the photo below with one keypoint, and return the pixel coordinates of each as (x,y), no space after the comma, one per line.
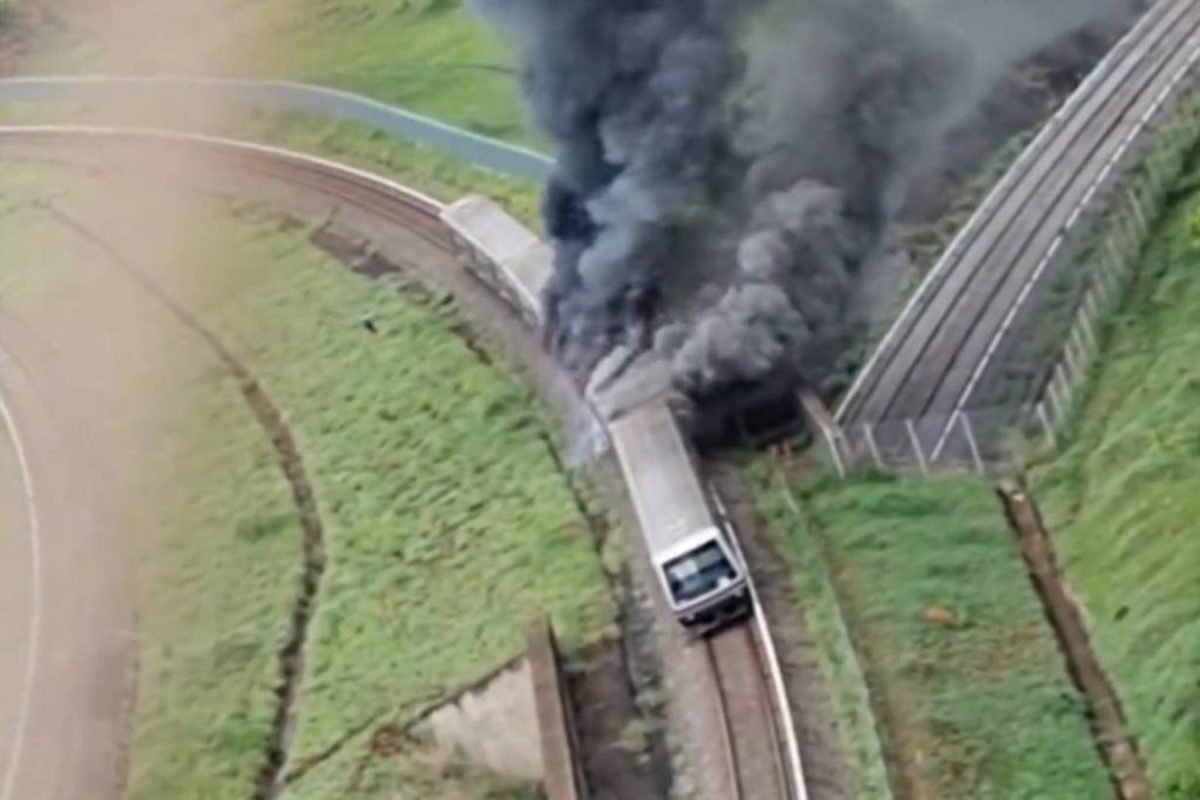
(699,572)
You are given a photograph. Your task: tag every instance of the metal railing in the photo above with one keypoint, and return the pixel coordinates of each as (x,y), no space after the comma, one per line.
(1101,243)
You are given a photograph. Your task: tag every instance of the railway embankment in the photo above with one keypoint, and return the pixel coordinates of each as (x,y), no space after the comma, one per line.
(944,667)
(1120,497)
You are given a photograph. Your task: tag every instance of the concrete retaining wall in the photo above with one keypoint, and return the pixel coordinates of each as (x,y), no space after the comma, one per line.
(563,776)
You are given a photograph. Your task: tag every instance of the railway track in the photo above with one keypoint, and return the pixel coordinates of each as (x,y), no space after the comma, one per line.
(755,758)
(762,755)
(939,357)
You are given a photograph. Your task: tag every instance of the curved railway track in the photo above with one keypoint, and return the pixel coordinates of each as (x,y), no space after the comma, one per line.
(403,226)
(937,358)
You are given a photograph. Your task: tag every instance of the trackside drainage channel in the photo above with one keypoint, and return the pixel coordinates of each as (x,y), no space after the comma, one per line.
(1107,720)
(269,781)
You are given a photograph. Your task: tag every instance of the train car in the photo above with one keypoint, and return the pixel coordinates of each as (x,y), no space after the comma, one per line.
(687,535)
(685,529)
(502,252)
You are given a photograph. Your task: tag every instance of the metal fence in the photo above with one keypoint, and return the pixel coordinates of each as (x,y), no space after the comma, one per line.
(1103,240)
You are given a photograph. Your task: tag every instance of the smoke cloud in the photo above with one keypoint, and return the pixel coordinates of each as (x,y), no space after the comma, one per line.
(727,168)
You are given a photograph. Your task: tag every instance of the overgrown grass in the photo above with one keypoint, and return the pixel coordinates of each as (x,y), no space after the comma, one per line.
(433,56)
(430,56)
(964,675)
(212,526)
(814,582)
(1122,502)
(447,524)
(441,176)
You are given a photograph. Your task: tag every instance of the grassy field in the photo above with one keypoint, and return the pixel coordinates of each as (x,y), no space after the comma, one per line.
(447,524)
(964,676)
(433,56)
(437,174)
(218,547)
(1123,498)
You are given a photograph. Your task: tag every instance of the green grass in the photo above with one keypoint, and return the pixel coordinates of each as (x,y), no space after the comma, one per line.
(349,45)
(1122,501)
(447,524)
(430,56)
(437,174)
(433,56)
(964,674)
(813,581)
(212,526)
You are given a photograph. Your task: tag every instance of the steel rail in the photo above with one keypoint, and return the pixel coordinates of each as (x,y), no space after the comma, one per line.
(998,194)
(1137,60)
(731,758)
(1077,212)
(1013,238)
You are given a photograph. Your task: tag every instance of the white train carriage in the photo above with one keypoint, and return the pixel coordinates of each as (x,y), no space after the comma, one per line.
(502,252)
(686,532)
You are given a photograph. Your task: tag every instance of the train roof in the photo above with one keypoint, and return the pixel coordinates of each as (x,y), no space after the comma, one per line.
(667,496)
(489,227)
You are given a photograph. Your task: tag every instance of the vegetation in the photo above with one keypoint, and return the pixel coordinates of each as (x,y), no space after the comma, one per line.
(214,531)
(446,522)
(437,174)
(441,176)
(448,525)
(965,679)
(431,56)
(1121,501)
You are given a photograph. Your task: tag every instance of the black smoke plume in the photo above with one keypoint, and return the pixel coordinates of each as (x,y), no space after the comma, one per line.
(727,168)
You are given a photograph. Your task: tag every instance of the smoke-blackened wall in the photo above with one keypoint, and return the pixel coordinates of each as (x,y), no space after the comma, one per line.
(726,168)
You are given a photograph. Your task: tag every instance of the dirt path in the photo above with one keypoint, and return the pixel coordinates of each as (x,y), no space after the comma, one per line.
(65,683)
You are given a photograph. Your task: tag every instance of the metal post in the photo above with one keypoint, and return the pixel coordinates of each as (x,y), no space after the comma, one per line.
(833,451)
(1109,273)
(916,443)
(1055,403)
(1112,266)
(1139,217)
(872,445)
(974,445)
(1046,426)
(1072,362)
(1060,375)
(1082,357)
(1089,312)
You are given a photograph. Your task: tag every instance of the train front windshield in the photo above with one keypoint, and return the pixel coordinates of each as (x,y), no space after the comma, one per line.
(698,573)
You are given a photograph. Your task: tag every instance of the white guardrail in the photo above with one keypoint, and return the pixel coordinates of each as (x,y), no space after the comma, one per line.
(1144,167)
